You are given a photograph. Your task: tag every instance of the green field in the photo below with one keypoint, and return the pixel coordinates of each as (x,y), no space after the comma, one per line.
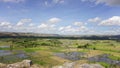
(41,51)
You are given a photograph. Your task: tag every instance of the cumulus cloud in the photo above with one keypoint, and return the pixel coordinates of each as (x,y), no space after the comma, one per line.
(72,30)
(12,1)
(23,21)
(68,29)
(94,20)
(115,20)
(75,28)
(25,25)
(52,26)
(54,20)
(5,24)
(46,28)
(78,23)
(49,26)
(106,2)
(42,25)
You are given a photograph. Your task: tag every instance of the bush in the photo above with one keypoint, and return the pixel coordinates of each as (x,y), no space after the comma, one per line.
(84,46)
(45,44)
(79,46)
(94,48)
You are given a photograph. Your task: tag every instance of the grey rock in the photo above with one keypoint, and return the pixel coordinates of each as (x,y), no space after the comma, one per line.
(72,65)
(23,64)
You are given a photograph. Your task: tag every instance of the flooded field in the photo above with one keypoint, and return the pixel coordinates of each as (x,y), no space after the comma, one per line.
(104,58)
(5,52)
(73,56)
(8,56)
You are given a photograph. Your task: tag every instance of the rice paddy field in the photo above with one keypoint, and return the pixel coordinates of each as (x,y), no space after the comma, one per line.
(51,52)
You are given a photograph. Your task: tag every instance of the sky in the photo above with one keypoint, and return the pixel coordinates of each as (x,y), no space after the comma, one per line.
(68,17)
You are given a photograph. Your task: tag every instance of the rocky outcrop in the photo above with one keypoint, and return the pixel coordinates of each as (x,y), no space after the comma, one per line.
(2,65)
(73,65)
(23,64)
(91,66)
(28,64)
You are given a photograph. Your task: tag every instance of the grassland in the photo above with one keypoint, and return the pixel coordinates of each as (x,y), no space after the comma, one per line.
(41,51)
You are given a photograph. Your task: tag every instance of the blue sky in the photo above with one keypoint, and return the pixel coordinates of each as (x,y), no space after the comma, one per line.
(79,17)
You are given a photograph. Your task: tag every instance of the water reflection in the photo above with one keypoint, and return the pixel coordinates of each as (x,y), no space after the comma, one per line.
(71,55)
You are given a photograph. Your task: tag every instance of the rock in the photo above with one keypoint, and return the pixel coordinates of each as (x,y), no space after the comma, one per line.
(36,66)
(66,65)
(23,64)
(69,65)
(72,65)
(57,67)
(28,64)
(90,66)
(2,65)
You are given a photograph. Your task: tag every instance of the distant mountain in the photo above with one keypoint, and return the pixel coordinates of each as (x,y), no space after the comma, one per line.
(25,34)
(38,35)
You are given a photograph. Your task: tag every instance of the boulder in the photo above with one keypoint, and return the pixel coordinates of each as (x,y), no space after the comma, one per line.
(23,64)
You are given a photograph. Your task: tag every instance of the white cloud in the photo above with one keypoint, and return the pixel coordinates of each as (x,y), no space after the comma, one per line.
(54,20)
(46,28)
(42,25)
(23,21)
(68,29)
(31,24)
(78,23)
(94,20)
(107,2)
(5,24)
(115,20)
(50,23)
(51,26)
(58,1)
(13,1)
(24,25)
(72,30)
(53,2)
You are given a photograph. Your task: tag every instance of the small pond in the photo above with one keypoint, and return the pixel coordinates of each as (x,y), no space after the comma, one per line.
(6,55)
(73,56)
(5,52)
(104,58)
